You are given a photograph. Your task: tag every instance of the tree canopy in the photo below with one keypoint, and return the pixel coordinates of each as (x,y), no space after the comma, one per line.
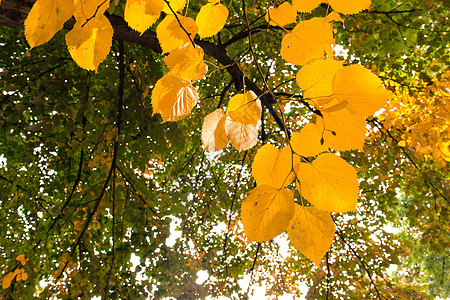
(291,144)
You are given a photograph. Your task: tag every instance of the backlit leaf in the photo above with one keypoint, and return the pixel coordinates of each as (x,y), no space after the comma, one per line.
(211,19)
(307,142)
(176,5)
(242,136)
(89,9)
(312,232)
(361,89)
(266,212)
(141,14)
(214,137)
(305,6)
(350,6)
(171,35)
(272,166)
(46,18)
(89,44)
(282,15)
(329,183)
(6,281)
(173,98)
(245,108)
(187,62)
(308,40)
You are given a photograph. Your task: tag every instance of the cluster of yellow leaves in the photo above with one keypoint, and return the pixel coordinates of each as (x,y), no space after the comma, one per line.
(422,117)
(19,274)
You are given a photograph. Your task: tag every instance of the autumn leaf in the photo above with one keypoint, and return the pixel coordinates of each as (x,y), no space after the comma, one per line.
(282,15)
(214,137)
(308,40)
(272,166)
(266,212)
(87,10)
(312,232)
(141,14)
(173,98)
(350,6)
(305,6)
(171,35)
(46,18)
(89,43)
(307,142)
(187,62)
(6,281)
(22,259)
(242,136)
(329,183)
(176,5)
(245,108)
(211,19)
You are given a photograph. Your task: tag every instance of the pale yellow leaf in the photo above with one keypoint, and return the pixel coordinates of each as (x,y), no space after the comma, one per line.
(176,5)
(308,40)
(214,137)
(329,183)
(46,18)
(171,35)
(173,98)
(139,16)
(211,19)
(187,62)
(266,212)
(245,108)
(342,130)
(89,44)
(350,6)
(307,142)
(312,232)
(361,89)
(305,6)
(272,166)
(242,136)
(282,15)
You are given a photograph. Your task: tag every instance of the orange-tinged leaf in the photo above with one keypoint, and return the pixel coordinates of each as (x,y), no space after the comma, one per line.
(350,6)
(307,142)
(282,15)
(171,35)
(361,89)
(305,6)
(342,130)
(334,16)
(173,98)
(308,40)
(24,276)
(245,108)
(89,44)
(272,166)
(46,18)
(22,259)
(329,183)
(266,212)
(141,14)
(89,9)
(187,62)
(312,232)
(214,137)
(315,79)
(241,135)
(211,19)
(6,281)
(176,5)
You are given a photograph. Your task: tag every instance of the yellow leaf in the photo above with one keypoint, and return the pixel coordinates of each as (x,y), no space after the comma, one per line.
(187,62)
(334,16)
(89,44)
(22,259)
(211,19)
(312,232)
(361,89)
(329,183)
(171,35)
(242,136)
(282,15)
(24,276)
(402,143)
(176,5)
(6,281)
(141,14)
(46,18)
(272,166)
(305,6)
(308,40)
(266,212)
(342,130)
(173,98)
(350,6)
(307,142)
(315,79)
(245,108)
(89,9)
(214,137)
